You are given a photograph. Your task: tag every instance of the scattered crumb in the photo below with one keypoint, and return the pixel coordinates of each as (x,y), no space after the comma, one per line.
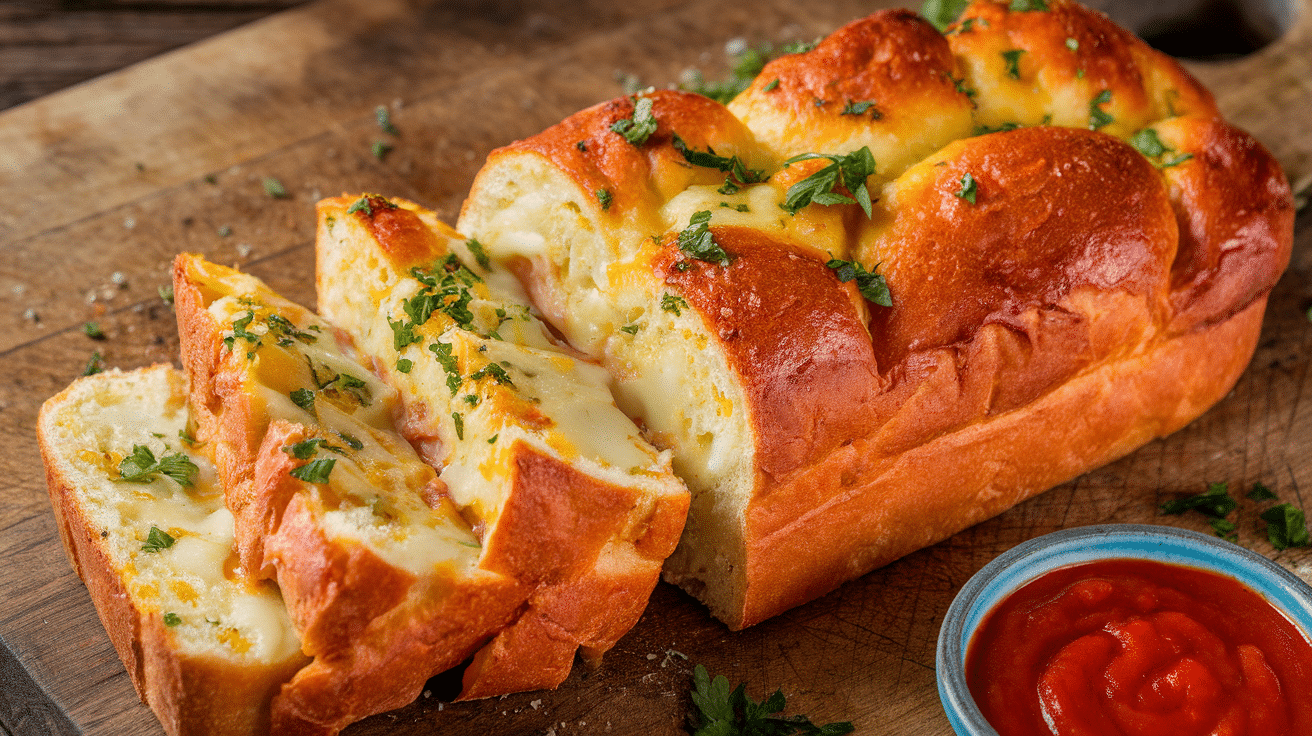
(119,279)
(428,694)
(244,249)
(31,316)
(536,704)
(130,223)
(651,657)
(19,289)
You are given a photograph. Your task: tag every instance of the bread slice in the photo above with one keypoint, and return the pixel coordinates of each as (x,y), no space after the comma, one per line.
(379,570)
(1058,298)
(206,648)
(561,485)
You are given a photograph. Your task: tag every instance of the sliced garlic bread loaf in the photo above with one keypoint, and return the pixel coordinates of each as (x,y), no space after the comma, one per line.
(916,279)
(530,446)
(142,518)
(379,570)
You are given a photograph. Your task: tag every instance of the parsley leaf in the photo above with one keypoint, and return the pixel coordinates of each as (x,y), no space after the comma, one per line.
(738,173)
(1261,493)
(479,253)
(496,372)
(403,334)
(141,464)
(1215,502)
(95,365)
(304,398)
(404,365)
(172,619)
(384,119)
(380,149)
(861,108)
(638,128)
(852,170)
(1025,6)
(460,424)
(157,540)
(871,285)
(969,188)
(604,197)
(316,471)
(93,331)
(696,240)
(942,13)
(448,362)
(303,450)
(1147,143)
(1012,58)
(1097,117)
(673,303)
(274,188)
(1286,526)
(725,712)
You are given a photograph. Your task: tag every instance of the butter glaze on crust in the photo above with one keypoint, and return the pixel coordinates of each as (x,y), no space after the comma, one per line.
(1091,298)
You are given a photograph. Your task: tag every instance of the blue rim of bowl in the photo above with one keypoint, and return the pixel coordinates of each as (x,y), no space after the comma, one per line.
(1028,560)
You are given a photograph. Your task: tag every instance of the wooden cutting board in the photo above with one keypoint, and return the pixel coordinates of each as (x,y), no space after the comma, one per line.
(103,183)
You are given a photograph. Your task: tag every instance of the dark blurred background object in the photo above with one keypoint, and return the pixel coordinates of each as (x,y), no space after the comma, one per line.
(47,45)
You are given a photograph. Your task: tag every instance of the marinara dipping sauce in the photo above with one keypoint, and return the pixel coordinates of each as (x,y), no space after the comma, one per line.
(1140,648)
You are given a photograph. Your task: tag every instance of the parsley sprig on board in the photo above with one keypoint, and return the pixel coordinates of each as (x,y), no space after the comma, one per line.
(725,712)
(851,171)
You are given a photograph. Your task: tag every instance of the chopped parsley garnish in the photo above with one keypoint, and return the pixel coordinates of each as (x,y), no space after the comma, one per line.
(1215,502)
(304,450)
(172,619)
(673,303)
(736,207)
(861,108)
(274,188)
(381,149)
(1261,493)
(1286,526)
(696,240)
(493,439)
(772,86)
(403,334)
(725,712)
(851,170)
(239,332)
(449,364)
(942,13)
(459,421)
(384,119)
(1097,117)
(93,331)
(182,435)
(157,540)
(985,129)
(141,465)
(871,285)
(1012,59)
(316,471)
(960,86)
(304,398)
(361,205)
(284,329)
(166,294)
(1025,6)
(581,146)
(95,365)
(738,173)
(969,189)
(638,128)
(480,254)
(1147,143)
(494,371)
(351,441)
(604,197)
(404,364)
(631,329)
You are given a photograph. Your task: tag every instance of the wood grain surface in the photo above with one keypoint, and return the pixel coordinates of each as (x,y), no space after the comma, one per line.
(103,183)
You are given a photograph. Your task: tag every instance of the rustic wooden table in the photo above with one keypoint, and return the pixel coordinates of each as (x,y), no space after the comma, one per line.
(104,182)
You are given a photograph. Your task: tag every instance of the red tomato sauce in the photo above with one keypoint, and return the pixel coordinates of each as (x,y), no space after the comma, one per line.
(1140,648)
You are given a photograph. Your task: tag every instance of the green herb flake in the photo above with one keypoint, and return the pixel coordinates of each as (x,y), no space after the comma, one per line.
(1026,6)
(871,285)
(404,365)
(95,365)
(459,421)
(581,146)
(697,242)
(736,207)
(303,450)
(673,303)
(493,371)
(1261,493)
(275,188)
(942,13)
(141,465)
(480,254)
(361,205)
(1098,118)
(316,471)
(1215,502)
(1175,160)
(93,331)
(166,294)
(772,86)
(493,439)
(604,197)
(380,149)
(1079,74)
(185,437)
(738,173)
(639,127)
(157,540)
(1012,59)
(851,171)
(448,361)
(383,117)
(725,712)
(861,108)
(631,329)
(172,619)
(969,188)
(1147,143)
(1286,526)
(304,398)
